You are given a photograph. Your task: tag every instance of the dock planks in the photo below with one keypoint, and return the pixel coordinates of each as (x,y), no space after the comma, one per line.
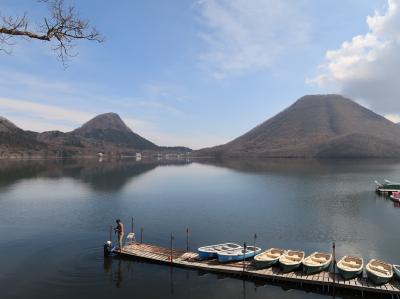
(189,260)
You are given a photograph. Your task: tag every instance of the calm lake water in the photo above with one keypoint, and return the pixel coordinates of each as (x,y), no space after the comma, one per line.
(54,219)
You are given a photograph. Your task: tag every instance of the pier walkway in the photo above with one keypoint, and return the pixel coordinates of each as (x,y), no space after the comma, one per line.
(245,269)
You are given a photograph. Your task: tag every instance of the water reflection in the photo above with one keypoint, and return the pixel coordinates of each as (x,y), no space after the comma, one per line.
(396,204)
(304,166)
(299,204)
(103,176)
(114,269)
(121,273)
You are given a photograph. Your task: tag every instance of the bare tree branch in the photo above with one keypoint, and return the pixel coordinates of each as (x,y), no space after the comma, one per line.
(63,27)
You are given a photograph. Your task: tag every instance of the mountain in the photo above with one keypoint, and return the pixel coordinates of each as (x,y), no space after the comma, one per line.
(108,128)
(105,133)
(12,137)
(7,126)
(323,126)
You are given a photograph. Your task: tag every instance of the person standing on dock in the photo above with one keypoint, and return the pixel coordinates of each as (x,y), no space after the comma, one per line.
(120,231)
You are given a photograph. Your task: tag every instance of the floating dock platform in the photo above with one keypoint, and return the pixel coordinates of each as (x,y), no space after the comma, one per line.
(327,280)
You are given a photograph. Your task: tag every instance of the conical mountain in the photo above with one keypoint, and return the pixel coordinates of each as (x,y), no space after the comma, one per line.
(109,128)
(319,126)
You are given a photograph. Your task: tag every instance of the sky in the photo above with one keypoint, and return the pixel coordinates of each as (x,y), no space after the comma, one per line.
(203,72)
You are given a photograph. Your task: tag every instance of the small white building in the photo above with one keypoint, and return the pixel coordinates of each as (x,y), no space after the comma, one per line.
(138,156)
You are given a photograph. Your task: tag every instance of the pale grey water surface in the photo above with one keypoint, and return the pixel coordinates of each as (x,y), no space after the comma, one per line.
(54,219)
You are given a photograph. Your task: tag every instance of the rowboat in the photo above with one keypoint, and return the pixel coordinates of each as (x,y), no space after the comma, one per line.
(395,196)
(350,266)
(379,272)
(291,260)
(268,258)
(316,262)
(211,251)
(396,270)
(238,254)
(388,187)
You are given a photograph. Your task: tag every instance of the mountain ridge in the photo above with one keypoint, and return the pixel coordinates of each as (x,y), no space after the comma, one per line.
(311,126)
(314,126)
(105,133)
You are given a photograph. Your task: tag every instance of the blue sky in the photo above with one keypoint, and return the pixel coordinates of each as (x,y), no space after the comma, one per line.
(200,73)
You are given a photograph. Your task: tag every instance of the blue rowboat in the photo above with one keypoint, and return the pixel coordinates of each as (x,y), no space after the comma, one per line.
(211,251)
(316,262)
(350,266)
(379,272)
(240,254)
(268,258)
(291,260)
(396,270)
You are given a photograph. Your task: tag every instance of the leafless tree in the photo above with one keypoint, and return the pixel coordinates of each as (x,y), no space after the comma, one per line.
(63,27)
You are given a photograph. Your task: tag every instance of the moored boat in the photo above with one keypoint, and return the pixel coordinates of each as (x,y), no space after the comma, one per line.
(379,272)
(268,258)
(388,187)
(396,270)
(316,262)
(211,251)
(350,266)
(240,254)
(395,196)
(291,260)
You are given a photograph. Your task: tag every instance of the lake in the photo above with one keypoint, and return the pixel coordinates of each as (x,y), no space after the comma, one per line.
(55,218)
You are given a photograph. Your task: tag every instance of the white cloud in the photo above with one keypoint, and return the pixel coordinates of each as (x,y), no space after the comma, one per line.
(243,35)
(38,124)
(367,68)
(167,92)
(48,112)
(42,117)
(160,106)
(10,79)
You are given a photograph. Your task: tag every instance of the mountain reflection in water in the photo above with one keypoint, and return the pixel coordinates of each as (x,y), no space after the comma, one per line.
(55,216)
(99,176)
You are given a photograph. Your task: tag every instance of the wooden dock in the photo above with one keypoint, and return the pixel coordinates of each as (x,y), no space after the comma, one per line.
(245,269)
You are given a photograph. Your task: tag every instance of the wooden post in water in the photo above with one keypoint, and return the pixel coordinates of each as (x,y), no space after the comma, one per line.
(255,238)
(132,225)
(244,256)
(172,247)
(141,235)
(334,263)
(187,239)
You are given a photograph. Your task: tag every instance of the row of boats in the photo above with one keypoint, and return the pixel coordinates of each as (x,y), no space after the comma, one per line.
(349,267)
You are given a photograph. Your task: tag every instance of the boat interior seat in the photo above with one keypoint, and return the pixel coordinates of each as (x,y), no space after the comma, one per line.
(320,260)
(348,268)
(273,255)
(312,263)
(293,258)
(379,269)
(351,264)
